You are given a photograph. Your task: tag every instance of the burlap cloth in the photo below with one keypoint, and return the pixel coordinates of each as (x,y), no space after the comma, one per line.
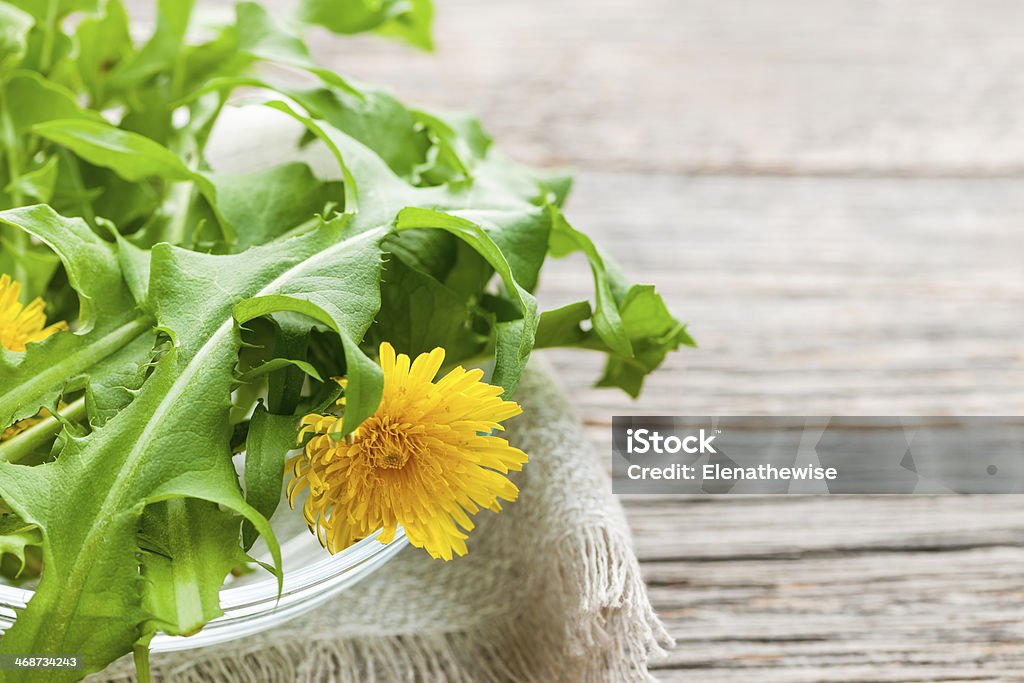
(549,592)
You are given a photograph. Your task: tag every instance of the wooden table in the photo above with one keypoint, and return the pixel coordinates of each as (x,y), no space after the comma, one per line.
(831,192)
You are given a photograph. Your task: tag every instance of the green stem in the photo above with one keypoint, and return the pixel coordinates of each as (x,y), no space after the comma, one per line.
(12,152)
(37,436)
(182,197)
(141,656)
(49,37)
(71,365)
(12,148)
(75,180)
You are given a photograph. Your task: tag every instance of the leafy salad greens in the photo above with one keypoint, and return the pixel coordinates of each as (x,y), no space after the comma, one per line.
(208,309)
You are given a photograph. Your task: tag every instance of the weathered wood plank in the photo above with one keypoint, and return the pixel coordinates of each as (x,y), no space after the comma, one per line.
(714,529)
(825,296)
(814,295)
(792,589)
(731,87)
(864,673)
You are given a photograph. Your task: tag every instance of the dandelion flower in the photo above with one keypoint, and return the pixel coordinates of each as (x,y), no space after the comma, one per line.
(425,459)
(21,325)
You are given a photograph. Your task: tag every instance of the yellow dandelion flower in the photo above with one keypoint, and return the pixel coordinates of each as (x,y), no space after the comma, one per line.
(425,460)
(21,325)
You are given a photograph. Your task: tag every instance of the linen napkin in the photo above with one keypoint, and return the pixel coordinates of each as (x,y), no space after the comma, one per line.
(550,591)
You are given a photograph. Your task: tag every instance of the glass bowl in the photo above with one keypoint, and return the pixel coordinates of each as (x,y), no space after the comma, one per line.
(311,575)
(250,602)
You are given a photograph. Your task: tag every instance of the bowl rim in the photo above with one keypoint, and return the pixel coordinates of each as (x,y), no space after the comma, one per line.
(257,606)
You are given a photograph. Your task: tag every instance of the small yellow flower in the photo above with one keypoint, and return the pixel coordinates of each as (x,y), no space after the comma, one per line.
(21,325)
(424,460)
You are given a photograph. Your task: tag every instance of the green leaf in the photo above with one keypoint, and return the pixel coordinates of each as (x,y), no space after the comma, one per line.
(33,445)
(14,27)
(266,204)
(32,265)
(365,380)
(556,182)
(374,118)
(607,320)
(434,285)
(520,235)
(90,261)
(108,321)
(653,331)
(445,258)
(41,10)
(39,100)
(16,535)
(112,385)
(275,365)
(369,115)
(408,20)
(163,50)
(268,442)
(284,387)
(104,43)
(457,144)
(562,326)
(651,328)
(91,570)
(514,340)
(181,588)
(135,267)
(130,155)
(39,184)
(413,25)
(419,314)
(267,38)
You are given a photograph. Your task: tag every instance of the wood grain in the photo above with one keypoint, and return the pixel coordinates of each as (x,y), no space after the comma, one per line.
(811,295)
(838,589)
(778,87)
(815,295)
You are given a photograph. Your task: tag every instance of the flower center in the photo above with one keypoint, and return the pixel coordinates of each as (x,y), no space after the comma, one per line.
(392,460)
(386,443)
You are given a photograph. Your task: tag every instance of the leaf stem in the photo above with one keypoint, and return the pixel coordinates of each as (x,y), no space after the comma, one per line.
(71,365)
(75,181)
(182,197)
(140,653)
(36,436)
(12,150)
(49,37)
